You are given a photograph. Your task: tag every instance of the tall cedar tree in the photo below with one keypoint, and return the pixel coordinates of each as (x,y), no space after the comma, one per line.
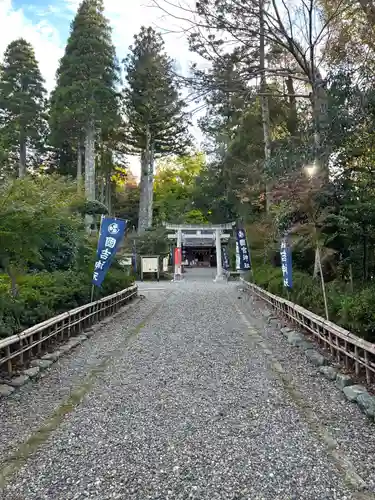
(157,124)
(85,98)
(22,102)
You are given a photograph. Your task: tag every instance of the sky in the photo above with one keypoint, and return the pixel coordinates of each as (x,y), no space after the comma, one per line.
(45,24)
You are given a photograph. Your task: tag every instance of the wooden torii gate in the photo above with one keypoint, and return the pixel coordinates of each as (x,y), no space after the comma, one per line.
(202,235)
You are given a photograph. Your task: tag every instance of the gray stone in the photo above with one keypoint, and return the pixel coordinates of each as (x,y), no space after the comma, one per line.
(285,331)
(18,381)
(82,337)
(343,380)
(353,391)
(329,372)
(367,404)
(74,342)
(32,372)
(5,390)
(43,364)
(71,344)
(267,313)
(66,348)
(315,357)
(52,356)
(295,338)
(306,345)
(273,318)
(275,324)
(90,333)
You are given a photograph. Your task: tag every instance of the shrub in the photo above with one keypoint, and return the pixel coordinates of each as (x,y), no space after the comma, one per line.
(357,313)
(44,295)
(45,251)
(152,242)
(353,311)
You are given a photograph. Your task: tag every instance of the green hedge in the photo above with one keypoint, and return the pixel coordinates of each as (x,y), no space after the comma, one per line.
(353,311)
(44,295)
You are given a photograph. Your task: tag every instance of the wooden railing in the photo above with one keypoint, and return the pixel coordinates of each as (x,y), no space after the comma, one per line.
(348,349)
(16,350)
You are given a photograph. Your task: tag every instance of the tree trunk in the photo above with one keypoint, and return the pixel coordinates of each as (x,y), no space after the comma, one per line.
(108,192)
(90,163)
(150,188)
(351,278)
(264,99)
(79,164)
(144,188)
(143,212)
(319,104)
(90,170)
(292,121)
(13,281)
(22,160)
(365,257)
(102,190)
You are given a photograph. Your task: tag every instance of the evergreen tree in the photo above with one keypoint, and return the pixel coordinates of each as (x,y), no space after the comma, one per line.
(22,102)
(111,161)
(85,99)
(157,124)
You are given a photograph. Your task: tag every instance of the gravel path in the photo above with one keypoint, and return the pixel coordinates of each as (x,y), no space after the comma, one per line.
(185,397)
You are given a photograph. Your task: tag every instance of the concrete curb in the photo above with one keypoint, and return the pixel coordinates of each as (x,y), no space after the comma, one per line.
(40,365)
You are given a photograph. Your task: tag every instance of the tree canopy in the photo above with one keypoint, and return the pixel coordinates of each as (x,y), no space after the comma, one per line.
(85,99)
(22,107)
(175,184)
(287,94)
(156,122)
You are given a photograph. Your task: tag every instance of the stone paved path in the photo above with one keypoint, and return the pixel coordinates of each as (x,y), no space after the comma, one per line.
(188,395)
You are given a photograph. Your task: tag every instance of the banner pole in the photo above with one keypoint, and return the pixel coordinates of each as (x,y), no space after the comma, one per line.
(93,286)
(322,283)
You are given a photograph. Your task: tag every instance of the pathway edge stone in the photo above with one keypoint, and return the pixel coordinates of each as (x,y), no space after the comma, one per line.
(344,382)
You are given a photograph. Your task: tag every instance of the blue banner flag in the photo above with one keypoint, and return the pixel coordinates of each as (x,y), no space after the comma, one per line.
(225,258)
(286,262)
(242,251)
(111,233)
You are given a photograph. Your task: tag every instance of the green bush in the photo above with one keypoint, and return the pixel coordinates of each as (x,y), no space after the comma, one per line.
(44,295)
(46,251)
(357,313)
(353,311)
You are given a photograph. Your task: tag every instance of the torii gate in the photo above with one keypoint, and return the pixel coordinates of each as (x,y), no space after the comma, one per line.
(200,235)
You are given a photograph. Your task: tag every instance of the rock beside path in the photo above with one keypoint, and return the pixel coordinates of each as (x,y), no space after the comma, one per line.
(329,372)
(343,380)
(42,364)
(5,390)
(353,391)
(19,380)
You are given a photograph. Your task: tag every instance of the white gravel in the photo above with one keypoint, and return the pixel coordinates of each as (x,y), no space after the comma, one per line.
(191,408)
